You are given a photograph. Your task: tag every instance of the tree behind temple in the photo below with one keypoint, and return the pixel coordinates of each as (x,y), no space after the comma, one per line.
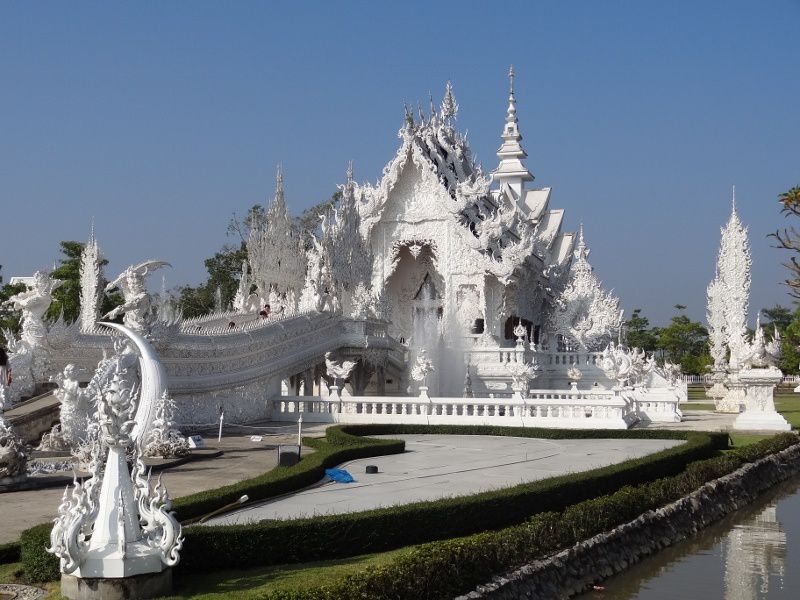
(789,238)
(685,342)
(639,334)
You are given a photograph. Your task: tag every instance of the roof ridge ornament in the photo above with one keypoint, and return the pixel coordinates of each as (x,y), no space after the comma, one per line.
(449,105)
(279,183)
(511,153)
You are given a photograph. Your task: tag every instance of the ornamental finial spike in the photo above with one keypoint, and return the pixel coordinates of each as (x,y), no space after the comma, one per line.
(279,179)
(511,80)
(733,199)
(350,172)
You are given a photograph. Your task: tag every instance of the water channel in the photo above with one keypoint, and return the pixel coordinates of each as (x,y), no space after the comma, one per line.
(752,554)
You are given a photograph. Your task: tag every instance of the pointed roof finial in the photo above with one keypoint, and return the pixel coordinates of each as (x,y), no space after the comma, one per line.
(350,172)
(581,251)
(449,105)
(91,232)
(432,107)
(409,115)
(733,199)
(511,152)
(279,183)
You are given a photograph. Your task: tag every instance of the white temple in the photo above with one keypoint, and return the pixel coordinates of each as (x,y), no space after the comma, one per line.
(437,266)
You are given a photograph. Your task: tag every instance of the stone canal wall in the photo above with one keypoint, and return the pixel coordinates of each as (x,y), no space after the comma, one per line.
(576,569)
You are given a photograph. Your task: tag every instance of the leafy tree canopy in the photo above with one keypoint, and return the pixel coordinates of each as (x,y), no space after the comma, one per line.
(685,342)
(789,238)
(639,334)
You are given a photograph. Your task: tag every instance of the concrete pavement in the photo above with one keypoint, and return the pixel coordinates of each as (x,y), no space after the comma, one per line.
(440,466)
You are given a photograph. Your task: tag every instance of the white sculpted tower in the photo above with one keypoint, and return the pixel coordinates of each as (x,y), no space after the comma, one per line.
(276,255)
(585,315)
(733,266)
(715,315)
(91,277)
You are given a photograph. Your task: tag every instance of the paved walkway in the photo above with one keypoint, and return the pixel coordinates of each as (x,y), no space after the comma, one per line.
(242,459)
(440,466)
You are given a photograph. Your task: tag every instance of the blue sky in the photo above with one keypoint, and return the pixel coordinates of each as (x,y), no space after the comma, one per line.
(160,120)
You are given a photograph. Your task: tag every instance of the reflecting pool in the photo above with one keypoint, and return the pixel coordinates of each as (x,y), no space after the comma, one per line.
(752,554)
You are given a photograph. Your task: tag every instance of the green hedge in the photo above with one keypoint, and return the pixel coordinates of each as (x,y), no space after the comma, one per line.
(445,569)
(37,564)
(282,480)
(9,553)
(721,440)
(335,536)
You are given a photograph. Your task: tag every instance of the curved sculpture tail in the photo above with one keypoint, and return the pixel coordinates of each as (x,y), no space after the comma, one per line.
(154,381)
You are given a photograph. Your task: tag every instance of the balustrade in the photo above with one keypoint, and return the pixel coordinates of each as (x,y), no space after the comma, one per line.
(544,408)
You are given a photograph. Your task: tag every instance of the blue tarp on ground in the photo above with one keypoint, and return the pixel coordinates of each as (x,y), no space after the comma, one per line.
(339,475)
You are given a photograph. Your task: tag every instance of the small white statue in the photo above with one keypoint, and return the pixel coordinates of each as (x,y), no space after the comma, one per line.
(338,370)
(521,375)
(574,373)
(422,367)
(616,363)
(165,440)
(138,305)
(13,454)
(759,354)
(74,413)
(34,303)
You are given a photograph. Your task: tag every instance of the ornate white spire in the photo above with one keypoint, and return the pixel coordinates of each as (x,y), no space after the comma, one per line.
(733,266)
(91,275)
(449,104)
(511,170)
(715,315)
(279,198)
(275,253)
(585,314)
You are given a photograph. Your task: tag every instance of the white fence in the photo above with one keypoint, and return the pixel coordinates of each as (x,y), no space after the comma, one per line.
(706,379)
(542,408)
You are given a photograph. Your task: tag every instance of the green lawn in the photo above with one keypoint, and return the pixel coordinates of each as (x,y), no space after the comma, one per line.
(254,583)
(9,573)
(786,401)
(247,584)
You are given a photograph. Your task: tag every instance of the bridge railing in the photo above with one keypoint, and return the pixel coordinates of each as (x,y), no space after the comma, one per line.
(542,408)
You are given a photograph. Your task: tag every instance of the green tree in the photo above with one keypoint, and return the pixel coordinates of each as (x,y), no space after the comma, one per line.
(311,218)
(685,342)
(67,297)
(789,238)
(224,269)
(639,334)
(778,317)
(790,339)
(9,318)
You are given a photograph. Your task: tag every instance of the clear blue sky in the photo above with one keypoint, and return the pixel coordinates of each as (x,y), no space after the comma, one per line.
(160,120)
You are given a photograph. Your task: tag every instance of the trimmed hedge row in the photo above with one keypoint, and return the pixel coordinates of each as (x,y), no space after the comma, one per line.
(282,480)
(336,536)
(445,569)
(721,440)
(37,564)
(9,553)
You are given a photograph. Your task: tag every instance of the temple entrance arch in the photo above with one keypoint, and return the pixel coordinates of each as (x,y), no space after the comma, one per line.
(415,293)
